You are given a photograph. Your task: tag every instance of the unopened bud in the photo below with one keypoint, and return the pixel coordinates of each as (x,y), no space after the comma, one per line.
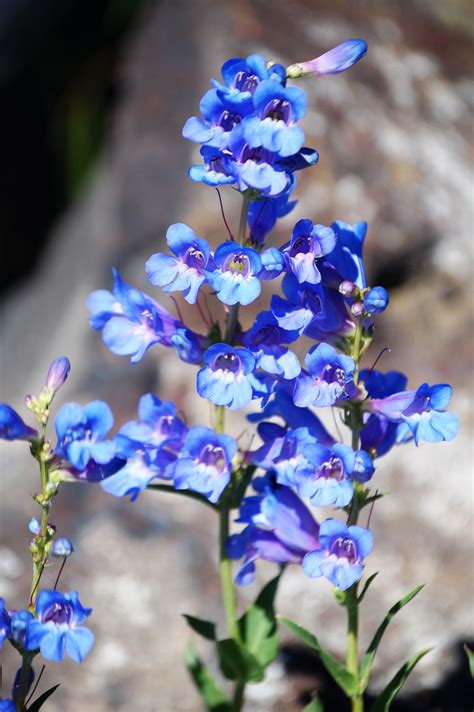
(376,300)
(334,61)
(57,373)
(357,309)
(62,547)
(347,288)
(34,526)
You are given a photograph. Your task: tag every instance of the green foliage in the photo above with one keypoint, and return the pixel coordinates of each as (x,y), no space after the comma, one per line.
(314,706)
(368,658)
(205,628)
(385,699)
(338,672)
(39,702)
(258,627)
(366,587)
(470,659)
(213,697)
(237,663)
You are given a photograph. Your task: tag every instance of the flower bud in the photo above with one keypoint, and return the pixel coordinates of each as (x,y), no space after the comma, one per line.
(62,547)
(34,526)
(336,60)
(357,309)
(347,288)
(57,373)
(376,300)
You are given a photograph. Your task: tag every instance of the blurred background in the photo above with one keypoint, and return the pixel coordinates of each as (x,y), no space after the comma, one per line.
(94,170)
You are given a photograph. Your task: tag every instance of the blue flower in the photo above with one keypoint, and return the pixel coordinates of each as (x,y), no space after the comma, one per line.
(20,623)
(379,434)
(7,706)
(184,272)
(223,380)
(130,321)
(376,300)
(81,431)
(5,621)
(235,277)
(289,456)
(278,108)
(12,426)
(62,547)
(218,168)
(336,60)
(346,257)
(328,375)
(58,630)
(264,213)
(281,529)
(342,553)
(157,425)
(256,168)
(422,413)
(219,118)
(266,341)
(242,77)
(308,243)
(204,464)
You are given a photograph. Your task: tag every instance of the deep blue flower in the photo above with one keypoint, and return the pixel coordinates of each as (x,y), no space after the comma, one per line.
(256,168)
(422,412)
(12,426)
(7,706)
(243,76)
(278,109)
(379,434)
(16,686)
(327,377)
(188,345)
(235,276)
(204,464)
(223,380)
(342,553)
(157,425)
(58,630)
(376,300)
(346,257)
(336,60)
(184,272)
(20,622)
(266,341)
(81,433)
(289,456)
(130,320)
(218,119)
(5,621)
(218,168)
(281,529)
(273,263)
(93,472)
(308,243)
(264,213)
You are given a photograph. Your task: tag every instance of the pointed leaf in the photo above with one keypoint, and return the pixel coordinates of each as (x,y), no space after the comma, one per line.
(39,702)
(213,697)
(205,628)
(385,699)
(237,663)
(338,672)
(366,587)
(314,706)
(470,659)
(368,658)
(258,626)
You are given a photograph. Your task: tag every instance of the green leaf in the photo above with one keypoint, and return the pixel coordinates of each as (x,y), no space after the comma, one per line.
(205,628)
(184,493)
(237,663)
(470,658)
(385,699)
(243,481)
(213,697)
(258,626)
(366,587)
(369,656)
(39,702)
(339,673)
(314,706)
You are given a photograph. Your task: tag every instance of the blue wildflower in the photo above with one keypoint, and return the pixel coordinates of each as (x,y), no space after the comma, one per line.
(20,622)
(376,300)
(278,108)
(224,378)
(336,60)
(184,272)
(12,426)
(130,320)
(281,529)
(242,77)
(81,431)
(217,168)
(235,276)
(379,434)
(256,168)
(34,526)
(266,341)
(204,464)
(342,553)
(289,456)
(157,425)
(264,213)
(308,243)
(421,411)
(346,257)
(328,375)
(5,622)
(273,263)
(58,630)
(62,547)
(218,119)
(7,706)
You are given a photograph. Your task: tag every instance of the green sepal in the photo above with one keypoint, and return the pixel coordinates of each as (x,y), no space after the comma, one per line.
(314,706)
(367,660)
(470,659)
(205,628)
(39,702)
(361,595)
(385,699)
(184,493)
(258,627)
(243,478)
(212,696)
(237,663)
(339,673)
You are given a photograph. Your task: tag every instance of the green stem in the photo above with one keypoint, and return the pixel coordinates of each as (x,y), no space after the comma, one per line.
(24,679)
(238,697)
